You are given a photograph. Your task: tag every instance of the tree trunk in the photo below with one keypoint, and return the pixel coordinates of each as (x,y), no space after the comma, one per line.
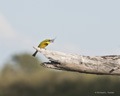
(103,65)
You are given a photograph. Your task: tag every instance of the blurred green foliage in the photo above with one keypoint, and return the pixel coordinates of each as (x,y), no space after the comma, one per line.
(24,76)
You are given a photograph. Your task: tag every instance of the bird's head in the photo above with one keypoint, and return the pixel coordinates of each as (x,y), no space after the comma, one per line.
(50,40)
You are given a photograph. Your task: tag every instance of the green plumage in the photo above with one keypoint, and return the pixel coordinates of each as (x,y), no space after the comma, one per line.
(43,44)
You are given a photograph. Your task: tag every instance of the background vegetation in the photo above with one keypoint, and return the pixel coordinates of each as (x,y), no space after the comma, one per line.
(23,76)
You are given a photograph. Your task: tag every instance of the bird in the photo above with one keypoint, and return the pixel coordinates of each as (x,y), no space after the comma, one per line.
(43,44)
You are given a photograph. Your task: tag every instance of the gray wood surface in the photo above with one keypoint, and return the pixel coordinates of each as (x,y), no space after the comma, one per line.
(102,65)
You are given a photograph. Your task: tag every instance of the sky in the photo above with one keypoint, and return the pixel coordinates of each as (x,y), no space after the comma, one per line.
(85,27)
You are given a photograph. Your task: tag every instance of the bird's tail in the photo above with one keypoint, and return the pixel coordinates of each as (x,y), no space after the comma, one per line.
(35,53)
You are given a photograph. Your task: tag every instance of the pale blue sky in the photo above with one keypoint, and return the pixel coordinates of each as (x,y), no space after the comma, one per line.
(88,27)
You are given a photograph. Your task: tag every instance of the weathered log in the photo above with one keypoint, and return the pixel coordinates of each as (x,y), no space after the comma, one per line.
(102,65)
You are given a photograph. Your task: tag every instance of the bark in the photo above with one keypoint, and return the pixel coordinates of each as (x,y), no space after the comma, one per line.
(102,65)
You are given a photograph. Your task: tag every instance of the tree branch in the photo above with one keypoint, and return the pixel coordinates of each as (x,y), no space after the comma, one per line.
(103,65)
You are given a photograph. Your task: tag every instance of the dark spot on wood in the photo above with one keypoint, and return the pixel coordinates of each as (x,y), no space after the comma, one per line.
(81,62)
(54,62)
(111,70)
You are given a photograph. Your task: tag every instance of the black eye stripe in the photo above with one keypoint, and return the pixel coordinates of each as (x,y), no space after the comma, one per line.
(46,43)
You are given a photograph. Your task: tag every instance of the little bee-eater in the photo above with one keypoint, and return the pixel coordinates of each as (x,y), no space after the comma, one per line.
(43,44)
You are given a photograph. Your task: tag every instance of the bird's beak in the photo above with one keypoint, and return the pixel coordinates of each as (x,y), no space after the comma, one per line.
(52,40)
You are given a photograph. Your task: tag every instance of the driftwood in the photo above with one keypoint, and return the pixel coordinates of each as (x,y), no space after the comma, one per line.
(102,65)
